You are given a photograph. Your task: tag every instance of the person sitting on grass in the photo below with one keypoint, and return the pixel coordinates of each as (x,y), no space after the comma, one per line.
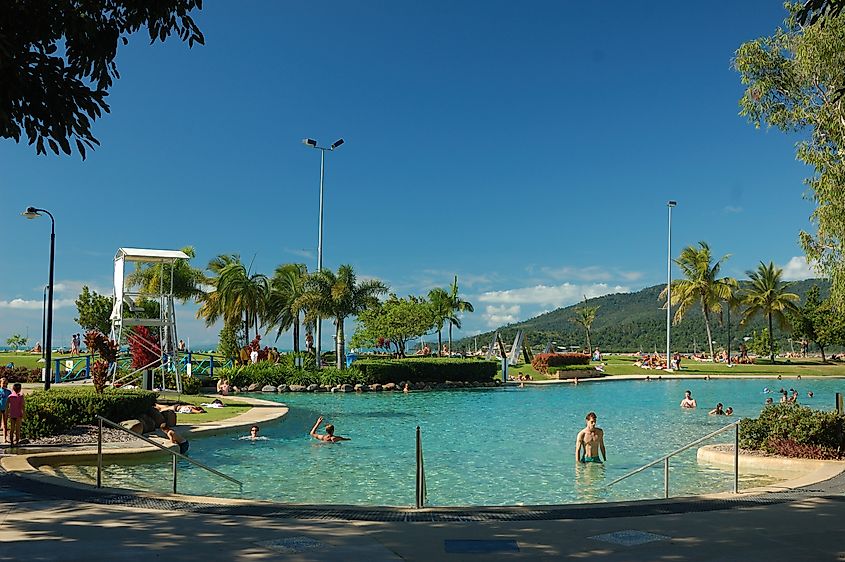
(329,436)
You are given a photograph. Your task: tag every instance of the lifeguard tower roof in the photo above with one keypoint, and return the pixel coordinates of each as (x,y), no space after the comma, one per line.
(150,256)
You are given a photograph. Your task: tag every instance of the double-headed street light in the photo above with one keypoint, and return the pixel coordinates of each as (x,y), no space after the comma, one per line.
(670,204)
(313,144)
(32,213)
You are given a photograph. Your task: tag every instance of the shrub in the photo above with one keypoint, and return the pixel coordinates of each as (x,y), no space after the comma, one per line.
(542,361)
(51,412)
(262,373)
(426,370)
(20,374)
(333,376)
(191,385)
(795,431)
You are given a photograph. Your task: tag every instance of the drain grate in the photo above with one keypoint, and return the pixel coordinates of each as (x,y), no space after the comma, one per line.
(630,537)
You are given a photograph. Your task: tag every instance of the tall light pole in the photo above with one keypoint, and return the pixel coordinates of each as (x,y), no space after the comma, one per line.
(43,322)
(32,213)
(313,144)
(670,204)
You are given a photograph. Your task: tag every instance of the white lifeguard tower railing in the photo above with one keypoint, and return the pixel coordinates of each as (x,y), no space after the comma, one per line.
(125,316)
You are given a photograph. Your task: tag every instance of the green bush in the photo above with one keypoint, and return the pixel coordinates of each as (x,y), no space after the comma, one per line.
(20,374)
(262,374)
(51,412)
(782,428)
(333,376)
(191,385)
(426,370)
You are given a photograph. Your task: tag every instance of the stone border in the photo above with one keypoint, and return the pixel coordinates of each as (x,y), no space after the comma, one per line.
(812,471)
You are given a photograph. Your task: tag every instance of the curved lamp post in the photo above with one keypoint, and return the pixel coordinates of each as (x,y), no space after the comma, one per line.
(32,213)
(313,144)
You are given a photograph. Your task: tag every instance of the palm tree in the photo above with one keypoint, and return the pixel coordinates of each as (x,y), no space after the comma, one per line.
(701,286)
(442,309)
(211,302)
(457,305)
(766,294)
(187,280)
(338,295)
(283,302)
(584,316)
(237,295)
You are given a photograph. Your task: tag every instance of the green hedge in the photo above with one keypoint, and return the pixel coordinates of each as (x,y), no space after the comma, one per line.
(54,411)
(792,430)
(274,374)
(426,370)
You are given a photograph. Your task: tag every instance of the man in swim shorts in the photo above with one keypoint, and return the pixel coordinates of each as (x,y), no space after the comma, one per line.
(688,401)
(591,441)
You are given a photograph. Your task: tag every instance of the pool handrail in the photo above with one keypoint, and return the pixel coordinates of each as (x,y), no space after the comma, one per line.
(101,420)
(421,491)
(665,459)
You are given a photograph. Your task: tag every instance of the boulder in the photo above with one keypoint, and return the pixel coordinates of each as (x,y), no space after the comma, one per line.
(389,386)
(149,424)
(136,426)
(325,388)
(375,387)
(253,387)
(268,388)
(169,418)
(361,388)
(282,388)
(312,387)
(296,388)
(420,386)
(346,388)
(158,417)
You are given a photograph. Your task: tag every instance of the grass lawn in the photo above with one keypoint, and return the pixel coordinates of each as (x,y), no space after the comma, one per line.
(624,365)
(232,409)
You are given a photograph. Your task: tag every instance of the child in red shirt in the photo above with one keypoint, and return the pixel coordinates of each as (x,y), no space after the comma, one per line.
(15,409)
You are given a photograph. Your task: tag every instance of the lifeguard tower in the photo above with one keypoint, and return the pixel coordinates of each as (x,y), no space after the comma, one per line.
(126,316)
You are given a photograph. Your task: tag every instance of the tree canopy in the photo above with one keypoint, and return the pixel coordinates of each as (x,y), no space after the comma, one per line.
(397,320)
(57,62)
(94,310)
(794,79)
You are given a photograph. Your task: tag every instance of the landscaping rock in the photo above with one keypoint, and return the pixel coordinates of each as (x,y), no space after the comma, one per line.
(324,388)
(133,425)
(346,388)
(282,388)
(169,418)
(268,388)
(389,386)
(296,388)
(312,387)
(252,388)
(375,387)
(361,388)
(149,424)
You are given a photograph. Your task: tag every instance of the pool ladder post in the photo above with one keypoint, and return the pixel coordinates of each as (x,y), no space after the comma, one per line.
(420,480)
(100,453)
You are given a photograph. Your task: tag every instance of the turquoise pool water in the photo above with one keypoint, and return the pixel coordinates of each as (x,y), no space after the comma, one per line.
(482,446)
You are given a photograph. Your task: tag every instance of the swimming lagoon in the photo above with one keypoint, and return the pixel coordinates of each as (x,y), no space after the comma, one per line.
(504,446)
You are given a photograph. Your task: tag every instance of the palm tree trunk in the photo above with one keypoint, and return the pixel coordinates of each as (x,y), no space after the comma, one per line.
(339,344)
(450,339)
(439,342)
(296,334)
(771,339)
(709,334)
(589,346)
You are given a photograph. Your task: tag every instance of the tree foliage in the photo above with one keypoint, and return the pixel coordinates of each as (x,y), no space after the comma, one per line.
(584,316)
(767,295)
(151,278)
(16,341)
(284,307)
(94,311)
(794,79)
(57,62)
(397,320)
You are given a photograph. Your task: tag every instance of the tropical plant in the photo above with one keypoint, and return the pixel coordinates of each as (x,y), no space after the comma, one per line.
(284,300)
(394,322)
(338,296)
(441,307)
(154,278)
(236,295)
(16,341)
(94,310)
(457,305)
(584,316)
(766,294)
(702,286)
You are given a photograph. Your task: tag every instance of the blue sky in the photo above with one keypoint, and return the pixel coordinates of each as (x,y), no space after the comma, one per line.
(528,148)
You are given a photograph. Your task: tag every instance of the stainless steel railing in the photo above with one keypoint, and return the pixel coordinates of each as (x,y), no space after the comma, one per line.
(420,489)
(175,456)
(665,460)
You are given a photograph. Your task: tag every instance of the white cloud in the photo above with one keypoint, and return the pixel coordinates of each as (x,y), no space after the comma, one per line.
(733,209)
(496,316)
(550,296)
(591,273)
(797,269)
(24,304)
(301,252)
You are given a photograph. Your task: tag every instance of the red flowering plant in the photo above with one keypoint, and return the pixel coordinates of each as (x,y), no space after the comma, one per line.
(542,361)
(107,350)
(144,347)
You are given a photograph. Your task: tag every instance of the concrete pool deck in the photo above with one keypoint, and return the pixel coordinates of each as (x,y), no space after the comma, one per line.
(40,520)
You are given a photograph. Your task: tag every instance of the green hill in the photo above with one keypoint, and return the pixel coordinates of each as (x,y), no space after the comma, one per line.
(627,322)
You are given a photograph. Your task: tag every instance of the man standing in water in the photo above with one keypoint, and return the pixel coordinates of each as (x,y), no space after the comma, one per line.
(591,441)
(688,401)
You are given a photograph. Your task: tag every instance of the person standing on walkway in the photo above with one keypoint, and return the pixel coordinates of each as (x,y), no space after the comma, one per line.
(16,407)
(4,398)
(590,442)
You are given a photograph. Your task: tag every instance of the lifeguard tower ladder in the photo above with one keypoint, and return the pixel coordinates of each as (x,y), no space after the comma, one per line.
(125,316)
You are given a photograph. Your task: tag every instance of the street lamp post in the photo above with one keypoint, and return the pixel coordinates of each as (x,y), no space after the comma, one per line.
(669,205)
(32,213)
(313,144)
(44,322)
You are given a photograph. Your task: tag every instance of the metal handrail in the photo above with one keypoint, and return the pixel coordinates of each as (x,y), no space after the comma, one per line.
(421,490)
(665,459)
(174,454)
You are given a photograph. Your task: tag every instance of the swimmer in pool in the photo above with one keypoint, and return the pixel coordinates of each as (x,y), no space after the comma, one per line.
(590,440)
